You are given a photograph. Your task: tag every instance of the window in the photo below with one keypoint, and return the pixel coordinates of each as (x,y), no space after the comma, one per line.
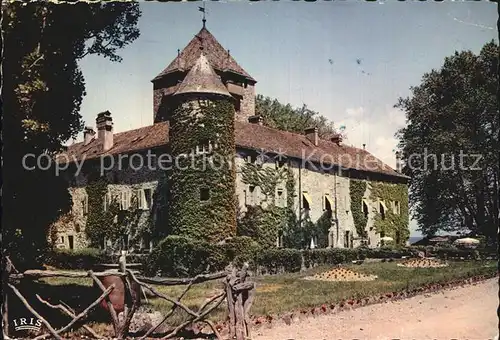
(203,147)
(346,239)
(397,208)
(204,194)
(280,163)
(85,205)
(306,201)
(327,202)
(280,198)
(62,239)
(365,208)
(148,193)
(279,241)
(125,200)
(382,209)
(251,197)
(107,201)
(253,158)
(71,241)
(144,198)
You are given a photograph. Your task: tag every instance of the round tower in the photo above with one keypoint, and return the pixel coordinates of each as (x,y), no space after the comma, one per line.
(201,137)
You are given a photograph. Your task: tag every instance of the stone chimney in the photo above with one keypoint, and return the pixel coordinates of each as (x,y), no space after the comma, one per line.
(337,139)
(104,124)
(256,120)
(312,135)
(398,161)
(88,135)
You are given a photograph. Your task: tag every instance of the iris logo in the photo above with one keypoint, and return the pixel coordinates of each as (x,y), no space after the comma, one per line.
(23,324)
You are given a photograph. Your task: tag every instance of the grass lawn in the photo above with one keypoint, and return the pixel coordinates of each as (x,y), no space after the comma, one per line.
(278,294)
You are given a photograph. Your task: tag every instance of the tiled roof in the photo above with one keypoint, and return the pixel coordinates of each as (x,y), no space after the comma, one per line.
(124,142)
(202,79)
(255,136)
(219,58)
(247,135)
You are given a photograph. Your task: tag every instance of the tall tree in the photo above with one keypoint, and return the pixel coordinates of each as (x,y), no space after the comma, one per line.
(43,88)
(450,145)
(288,118)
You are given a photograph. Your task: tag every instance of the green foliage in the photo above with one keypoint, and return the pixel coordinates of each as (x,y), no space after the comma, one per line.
(44,73)
(452,115)
(189,216)
(180,256)
(357,191)
(394,225)
(242,249)
(113,222)
(100,223)
(333,256)
(285,117)
(76,259)
(265,224)
(274,261)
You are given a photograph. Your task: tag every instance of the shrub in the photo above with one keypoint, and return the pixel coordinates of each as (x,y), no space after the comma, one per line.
(333,256)
(241,249)
(76,259)
(179,256)
(274,261)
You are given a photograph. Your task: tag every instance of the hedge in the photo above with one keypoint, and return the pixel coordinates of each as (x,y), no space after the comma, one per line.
(77,259)
(177,256)
(275,261)
(84,259)
(184,257)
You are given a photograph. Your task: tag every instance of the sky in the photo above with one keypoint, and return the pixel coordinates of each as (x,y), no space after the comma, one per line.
(348,60)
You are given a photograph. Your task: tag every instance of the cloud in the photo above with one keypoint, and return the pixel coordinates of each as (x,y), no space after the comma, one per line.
(375,128)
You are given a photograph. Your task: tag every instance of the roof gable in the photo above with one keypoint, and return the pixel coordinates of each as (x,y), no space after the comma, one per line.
(218,57)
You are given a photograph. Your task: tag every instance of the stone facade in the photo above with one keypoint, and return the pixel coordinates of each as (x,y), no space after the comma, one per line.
(310,185)
(247,104)
(125,182)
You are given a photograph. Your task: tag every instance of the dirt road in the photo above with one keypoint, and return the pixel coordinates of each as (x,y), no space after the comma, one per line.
(463,313)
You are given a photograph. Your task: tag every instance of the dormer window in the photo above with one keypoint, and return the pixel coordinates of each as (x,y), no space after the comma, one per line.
(253,158)
(203,147)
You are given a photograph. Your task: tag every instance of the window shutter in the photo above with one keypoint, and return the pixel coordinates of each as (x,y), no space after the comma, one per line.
(143,199)
(123,200)
(139,199)
(105,202)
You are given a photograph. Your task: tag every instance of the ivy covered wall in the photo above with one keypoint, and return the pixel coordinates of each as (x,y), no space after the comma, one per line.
(100,222)
(395,223)
(357,190)
(202,202)
(265,222)
(113,222)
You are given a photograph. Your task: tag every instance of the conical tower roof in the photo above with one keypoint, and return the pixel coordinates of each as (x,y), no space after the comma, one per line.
(219,58)
(202,79)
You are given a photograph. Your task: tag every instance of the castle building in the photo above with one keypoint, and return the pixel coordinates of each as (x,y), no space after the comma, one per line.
(203,107)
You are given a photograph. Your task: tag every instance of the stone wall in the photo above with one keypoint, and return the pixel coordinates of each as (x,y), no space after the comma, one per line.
(247,105)
(315,183)
(126,179)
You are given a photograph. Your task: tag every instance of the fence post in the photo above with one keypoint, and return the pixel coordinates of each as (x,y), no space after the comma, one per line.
(5,304)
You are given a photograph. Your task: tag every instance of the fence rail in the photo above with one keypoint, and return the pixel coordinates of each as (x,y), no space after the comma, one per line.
(238,292)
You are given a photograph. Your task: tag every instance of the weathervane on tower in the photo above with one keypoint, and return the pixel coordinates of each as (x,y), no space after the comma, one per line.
(202,9)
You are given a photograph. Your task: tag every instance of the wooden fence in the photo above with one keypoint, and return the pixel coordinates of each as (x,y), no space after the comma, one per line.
(238,293)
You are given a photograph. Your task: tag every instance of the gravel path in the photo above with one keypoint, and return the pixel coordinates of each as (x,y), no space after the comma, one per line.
(463,313)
